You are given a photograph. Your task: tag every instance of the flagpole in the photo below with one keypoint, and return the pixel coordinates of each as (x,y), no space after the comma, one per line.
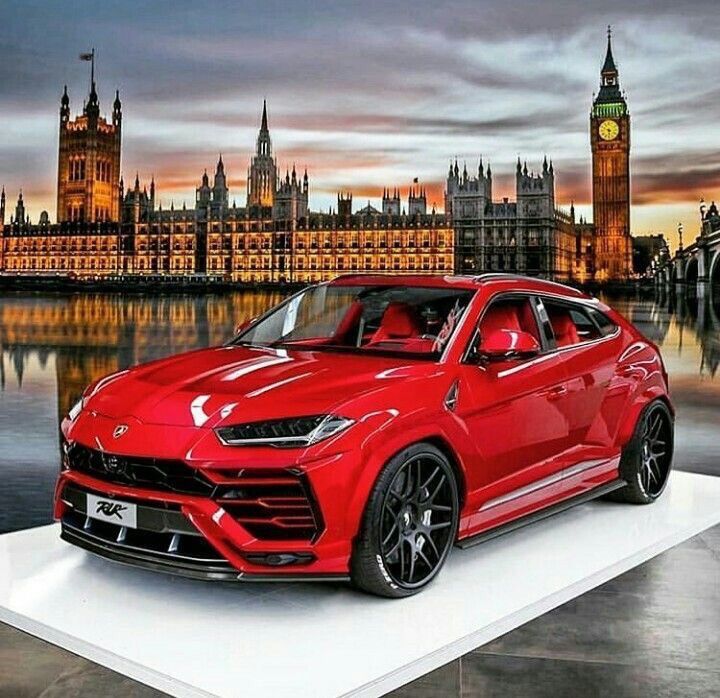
(92,68)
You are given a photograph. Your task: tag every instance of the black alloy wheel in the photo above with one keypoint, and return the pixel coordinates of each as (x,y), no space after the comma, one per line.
(410,524)
(647,459)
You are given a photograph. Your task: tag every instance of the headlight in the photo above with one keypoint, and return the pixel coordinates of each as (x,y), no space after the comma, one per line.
(76,409)
(295,432)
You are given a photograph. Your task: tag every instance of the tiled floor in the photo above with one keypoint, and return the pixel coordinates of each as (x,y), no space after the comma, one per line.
(32,668)
(652,631)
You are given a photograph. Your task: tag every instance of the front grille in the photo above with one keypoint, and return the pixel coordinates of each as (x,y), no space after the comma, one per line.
(150,473)
(270,504)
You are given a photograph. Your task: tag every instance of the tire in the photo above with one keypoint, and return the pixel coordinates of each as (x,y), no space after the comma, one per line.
(409,524)
(646,460)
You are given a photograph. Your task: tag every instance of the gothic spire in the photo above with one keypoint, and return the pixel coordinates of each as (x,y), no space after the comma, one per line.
(609,65)
(264,123)
(264,145)
(609,93)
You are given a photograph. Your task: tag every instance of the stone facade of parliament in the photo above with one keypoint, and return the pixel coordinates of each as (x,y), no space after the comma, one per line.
(107,230)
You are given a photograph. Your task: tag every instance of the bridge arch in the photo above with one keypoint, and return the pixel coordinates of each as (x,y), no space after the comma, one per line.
(692,271)
(714,275)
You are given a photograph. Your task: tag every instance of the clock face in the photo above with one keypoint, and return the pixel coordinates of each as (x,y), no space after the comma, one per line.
(609,130)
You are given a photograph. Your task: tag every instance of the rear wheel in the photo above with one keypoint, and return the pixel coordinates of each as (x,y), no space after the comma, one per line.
(409,525)
(647,459)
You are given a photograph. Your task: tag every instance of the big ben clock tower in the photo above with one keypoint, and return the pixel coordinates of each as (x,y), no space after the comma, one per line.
(610,142)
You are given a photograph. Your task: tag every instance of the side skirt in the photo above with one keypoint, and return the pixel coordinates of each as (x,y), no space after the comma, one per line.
(541,514)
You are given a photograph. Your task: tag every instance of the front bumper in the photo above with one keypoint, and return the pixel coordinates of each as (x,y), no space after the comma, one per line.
(203,537)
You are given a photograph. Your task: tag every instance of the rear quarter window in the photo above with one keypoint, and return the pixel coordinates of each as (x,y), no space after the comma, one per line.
(604,323)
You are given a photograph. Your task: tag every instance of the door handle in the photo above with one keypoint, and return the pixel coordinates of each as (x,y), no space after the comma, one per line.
(556,393)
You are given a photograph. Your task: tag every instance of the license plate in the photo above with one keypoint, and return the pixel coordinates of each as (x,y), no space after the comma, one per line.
(112,511)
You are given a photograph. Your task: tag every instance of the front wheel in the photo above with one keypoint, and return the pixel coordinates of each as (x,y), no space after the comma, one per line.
(409,525)
(647,458)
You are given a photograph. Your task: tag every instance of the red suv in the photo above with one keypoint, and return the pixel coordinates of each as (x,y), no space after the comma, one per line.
(362,427)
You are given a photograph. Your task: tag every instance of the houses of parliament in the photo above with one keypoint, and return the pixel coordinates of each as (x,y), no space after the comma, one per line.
(106,229)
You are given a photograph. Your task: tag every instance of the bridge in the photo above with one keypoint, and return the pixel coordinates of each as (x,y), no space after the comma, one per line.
(695,268)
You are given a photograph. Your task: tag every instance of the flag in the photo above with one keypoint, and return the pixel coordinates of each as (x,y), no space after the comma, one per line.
(415,181)
(86,56)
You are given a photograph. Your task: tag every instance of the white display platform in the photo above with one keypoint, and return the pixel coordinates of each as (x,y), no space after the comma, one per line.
(198,639)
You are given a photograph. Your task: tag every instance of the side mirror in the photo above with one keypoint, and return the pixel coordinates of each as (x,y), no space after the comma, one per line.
(501,345)
(244,325)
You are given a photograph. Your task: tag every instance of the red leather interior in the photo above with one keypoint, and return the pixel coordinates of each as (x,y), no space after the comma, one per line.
(563,327)
(528,323)
(398,322)
(517,315)
(501,316)
(350,322)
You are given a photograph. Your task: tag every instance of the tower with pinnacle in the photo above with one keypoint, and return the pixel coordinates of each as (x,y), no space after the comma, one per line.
(89,161)
(291,197)
(610,145)
(220,193)
(262,175)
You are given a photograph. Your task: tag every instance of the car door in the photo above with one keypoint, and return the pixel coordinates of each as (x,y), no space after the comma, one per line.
(517,415)
(588,353)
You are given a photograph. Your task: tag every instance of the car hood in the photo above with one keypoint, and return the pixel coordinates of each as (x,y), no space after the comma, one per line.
(231,385)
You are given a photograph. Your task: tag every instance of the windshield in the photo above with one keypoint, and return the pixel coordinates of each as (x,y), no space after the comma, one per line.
(381,319)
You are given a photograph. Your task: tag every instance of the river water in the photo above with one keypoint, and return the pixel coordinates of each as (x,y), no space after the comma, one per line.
(52,346)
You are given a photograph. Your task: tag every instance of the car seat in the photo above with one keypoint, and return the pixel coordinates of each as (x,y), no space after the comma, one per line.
(564,328)
(398,322)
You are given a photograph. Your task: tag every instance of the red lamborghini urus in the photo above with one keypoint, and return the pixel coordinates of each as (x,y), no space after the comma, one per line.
(361,428)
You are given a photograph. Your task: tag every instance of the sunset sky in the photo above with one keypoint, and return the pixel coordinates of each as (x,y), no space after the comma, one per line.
(370,94)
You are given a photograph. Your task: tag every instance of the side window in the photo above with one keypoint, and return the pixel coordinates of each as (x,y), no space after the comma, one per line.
(510,314)
(570,324)
(606,325)
(586,328)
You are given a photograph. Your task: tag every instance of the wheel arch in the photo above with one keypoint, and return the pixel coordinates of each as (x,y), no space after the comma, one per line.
(379,459)
(636,409)
(447,450)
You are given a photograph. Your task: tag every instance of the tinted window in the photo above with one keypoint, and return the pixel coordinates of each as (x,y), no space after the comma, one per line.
(509,314)
(570,324)
(505,314)
(586,328)
(606,325)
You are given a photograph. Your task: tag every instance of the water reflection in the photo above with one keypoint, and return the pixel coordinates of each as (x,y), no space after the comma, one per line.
(51,347)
